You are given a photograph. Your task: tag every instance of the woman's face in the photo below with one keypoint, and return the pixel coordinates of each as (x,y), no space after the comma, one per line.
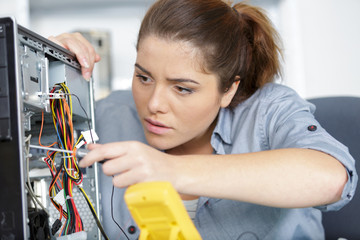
(176,101)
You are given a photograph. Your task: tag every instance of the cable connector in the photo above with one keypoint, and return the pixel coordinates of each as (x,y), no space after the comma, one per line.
(90,136)
(56,226)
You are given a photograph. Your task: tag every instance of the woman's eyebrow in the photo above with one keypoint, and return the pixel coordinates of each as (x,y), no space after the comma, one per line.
(143,69)
(182,80)
(169,79)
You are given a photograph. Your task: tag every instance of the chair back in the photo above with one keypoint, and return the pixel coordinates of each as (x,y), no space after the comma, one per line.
(340,116)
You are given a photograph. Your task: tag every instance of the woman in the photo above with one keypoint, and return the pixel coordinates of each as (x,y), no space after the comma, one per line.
(247,150)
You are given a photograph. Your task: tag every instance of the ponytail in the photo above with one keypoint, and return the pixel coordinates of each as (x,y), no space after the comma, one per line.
(259,51)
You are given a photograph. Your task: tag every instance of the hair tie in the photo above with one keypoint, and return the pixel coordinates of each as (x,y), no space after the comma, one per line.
(236,11)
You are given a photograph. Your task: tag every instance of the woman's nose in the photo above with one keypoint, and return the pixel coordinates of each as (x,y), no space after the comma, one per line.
(158,102)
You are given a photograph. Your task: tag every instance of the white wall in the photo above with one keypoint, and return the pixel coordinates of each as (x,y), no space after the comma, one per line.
(321,38)
(322,46)
(16,8)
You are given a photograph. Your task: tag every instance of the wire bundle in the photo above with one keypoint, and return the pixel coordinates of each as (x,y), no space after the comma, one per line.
(69,173)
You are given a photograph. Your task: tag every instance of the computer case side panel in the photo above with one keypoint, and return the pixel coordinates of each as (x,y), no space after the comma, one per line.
(13,203)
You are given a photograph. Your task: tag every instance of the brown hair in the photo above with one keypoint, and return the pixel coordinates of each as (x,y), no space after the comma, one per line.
(233,41)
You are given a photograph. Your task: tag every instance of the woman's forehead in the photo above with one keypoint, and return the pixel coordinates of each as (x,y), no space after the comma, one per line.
(151,44)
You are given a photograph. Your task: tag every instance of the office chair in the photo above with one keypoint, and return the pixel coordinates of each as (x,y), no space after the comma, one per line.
(340,116)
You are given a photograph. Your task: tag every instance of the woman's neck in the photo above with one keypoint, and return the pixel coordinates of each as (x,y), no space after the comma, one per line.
(190,150)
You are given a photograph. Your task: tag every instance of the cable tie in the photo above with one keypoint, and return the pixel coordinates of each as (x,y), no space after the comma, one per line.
(48,96)
(68,197)
(80,144)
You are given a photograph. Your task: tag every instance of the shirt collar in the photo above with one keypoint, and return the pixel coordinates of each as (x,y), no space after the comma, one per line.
(223,126)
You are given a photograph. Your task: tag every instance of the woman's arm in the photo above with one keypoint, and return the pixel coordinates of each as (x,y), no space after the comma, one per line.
(289,178)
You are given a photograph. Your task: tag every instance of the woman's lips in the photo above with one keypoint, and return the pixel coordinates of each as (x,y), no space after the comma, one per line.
(156,127)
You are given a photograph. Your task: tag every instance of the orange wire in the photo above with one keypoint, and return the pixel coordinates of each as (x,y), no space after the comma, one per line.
(62,229)
(61,213)
(41,129)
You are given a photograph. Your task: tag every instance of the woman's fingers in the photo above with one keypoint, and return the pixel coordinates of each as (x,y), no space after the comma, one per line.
(130,162)
(100,152)
(82,48)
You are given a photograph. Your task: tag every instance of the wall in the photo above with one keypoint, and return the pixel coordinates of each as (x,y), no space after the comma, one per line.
(322,46)
(16,8)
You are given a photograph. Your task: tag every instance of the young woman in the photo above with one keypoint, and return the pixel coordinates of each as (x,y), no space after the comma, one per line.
(209,119)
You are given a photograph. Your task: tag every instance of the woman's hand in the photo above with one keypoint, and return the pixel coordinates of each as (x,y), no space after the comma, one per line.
(131,162)
(84,51)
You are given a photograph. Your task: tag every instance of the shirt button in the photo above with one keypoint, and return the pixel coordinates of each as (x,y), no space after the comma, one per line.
(312,128)
(131,229)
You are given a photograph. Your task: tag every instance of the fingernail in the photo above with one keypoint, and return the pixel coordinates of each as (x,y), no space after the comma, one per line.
(85,63)
(87,76)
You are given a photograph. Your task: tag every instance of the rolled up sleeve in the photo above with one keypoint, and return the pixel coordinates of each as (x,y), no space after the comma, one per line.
(289,123)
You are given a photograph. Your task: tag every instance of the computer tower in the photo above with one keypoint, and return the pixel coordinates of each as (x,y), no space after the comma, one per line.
(44,100)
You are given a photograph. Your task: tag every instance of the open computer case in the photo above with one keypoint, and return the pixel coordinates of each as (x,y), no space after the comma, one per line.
(44,100)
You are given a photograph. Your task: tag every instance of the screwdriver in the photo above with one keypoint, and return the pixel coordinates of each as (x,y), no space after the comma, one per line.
(80,153)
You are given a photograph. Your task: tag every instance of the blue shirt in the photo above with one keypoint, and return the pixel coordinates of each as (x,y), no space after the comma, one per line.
(274,117)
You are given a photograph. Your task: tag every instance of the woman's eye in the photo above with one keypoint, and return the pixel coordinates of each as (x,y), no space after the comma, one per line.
(143,78)
(183,90)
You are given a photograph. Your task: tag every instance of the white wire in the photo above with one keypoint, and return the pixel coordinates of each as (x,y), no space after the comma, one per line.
(28,186)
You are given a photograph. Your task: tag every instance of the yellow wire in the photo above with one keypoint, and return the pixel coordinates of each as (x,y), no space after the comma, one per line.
(70,188)
(81,136)
(88,200)
(53,162)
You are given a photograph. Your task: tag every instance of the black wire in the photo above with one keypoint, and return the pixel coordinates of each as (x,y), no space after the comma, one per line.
(87,117)
(112,212)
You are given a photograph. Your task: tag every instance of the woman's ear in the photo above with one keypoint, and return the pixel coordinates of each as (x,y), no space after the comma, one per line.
(230,93)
